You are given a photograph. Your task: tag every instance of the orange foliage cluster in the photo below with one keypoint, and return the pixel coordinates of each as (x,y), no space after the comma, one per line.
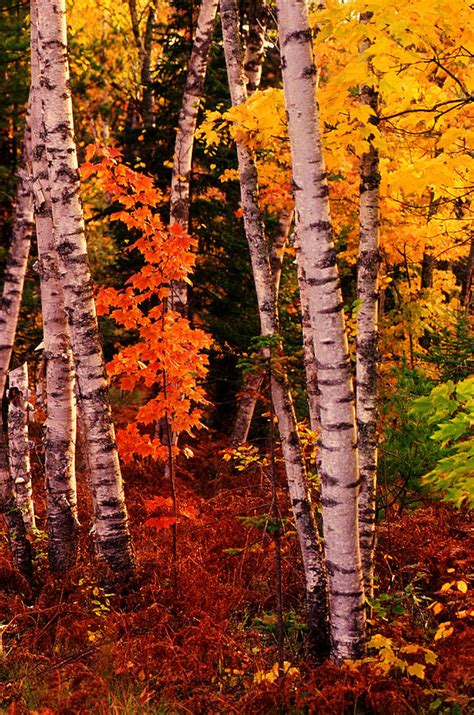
(168,359)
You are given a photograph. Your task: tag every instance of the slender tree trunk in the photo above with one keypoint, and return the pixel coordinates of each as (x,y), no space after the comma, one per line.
(19,444)
(60,477)
(339,468)
(10,301)
(255,45)
(281,398)
(183,150)
(111,528)
(466,289)
(309,359)
(366,342)
(17,261)
(144,46)
(253,383)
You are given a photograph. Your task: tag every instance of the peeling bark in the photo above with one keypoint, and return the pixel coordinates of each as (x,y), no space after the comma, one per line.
(339,468)
(60,437)
(19,445)
(367,339)
(112,536)
(260,259)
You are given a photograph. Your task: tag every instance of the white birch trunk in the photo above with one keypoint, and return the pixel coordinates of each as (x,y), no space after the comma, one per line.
(111,529)
(17,260)
(259,255)
(10,301)
(366,345)
(60,438)
(309,359)
(19,444)
(183,150)
(255,45)
(339,468)
(253,383)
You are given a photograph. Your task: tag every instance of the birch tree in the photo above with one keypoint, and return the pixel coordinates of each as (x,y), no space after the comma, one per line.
(15,270)
(338,447)
(110,515)
(183,150)
(366,342)
(60,438)
(19,443)
(280,394)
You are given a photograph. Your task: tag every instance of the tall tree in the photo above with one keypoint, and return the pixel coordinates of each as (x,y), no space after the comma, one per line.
(10,301)
(260,259)
(19,443)
(60,441)
(366,342)
(111,528)
(183,150)
(339,469)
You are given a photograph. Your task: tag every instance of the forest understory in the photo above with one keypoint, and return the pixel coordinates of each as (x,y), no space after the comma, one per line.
(79,645)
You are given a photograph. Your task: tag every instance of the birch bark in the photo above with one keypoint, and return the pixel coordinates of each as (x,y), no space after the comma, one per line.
(253,384)
(255,45)
(281,398)
(183,150)
(339,468)
(10,301)
(111,529)
(19,444)
(60,438)
(366,342)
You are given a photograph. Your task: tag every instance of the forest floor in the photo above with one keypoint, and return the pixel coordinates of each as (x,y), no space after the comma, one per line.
(207,644)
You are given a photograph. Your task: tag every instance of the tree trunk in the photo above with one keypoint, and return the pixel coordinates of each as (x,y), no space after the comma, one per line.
(339,468)
(10,301)
(17,261)
(144,45)
(183,150)
(111,528)
(466,288)
(253,383)
(60,477)
(255,45)
(260,260)
(311,371)
(366,342)
(19,444)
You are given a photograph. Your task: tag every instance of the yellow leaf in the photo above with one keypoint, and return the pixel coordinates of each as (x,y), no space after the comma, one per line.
(446,586)
(411,648)
(430,657)
(462,586)
(417,669)
(444,631)
(437,608)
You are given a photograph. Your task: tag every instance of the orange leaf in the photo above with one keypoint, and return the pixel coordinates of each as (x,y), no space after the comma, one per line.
(161,522)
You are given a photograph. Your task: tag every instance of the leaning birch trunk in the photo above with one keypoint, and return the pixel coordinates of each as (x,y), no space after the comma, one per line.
(111,527)
(366,343)
(60,438)
(253,384)
(15,270)
(338,448)
(17,261)
(183,150)
(259,254)
(19,444)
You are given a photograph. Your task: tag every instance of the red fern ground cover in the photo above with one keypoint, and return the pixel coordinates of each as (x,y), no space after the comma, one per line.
(85,646)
